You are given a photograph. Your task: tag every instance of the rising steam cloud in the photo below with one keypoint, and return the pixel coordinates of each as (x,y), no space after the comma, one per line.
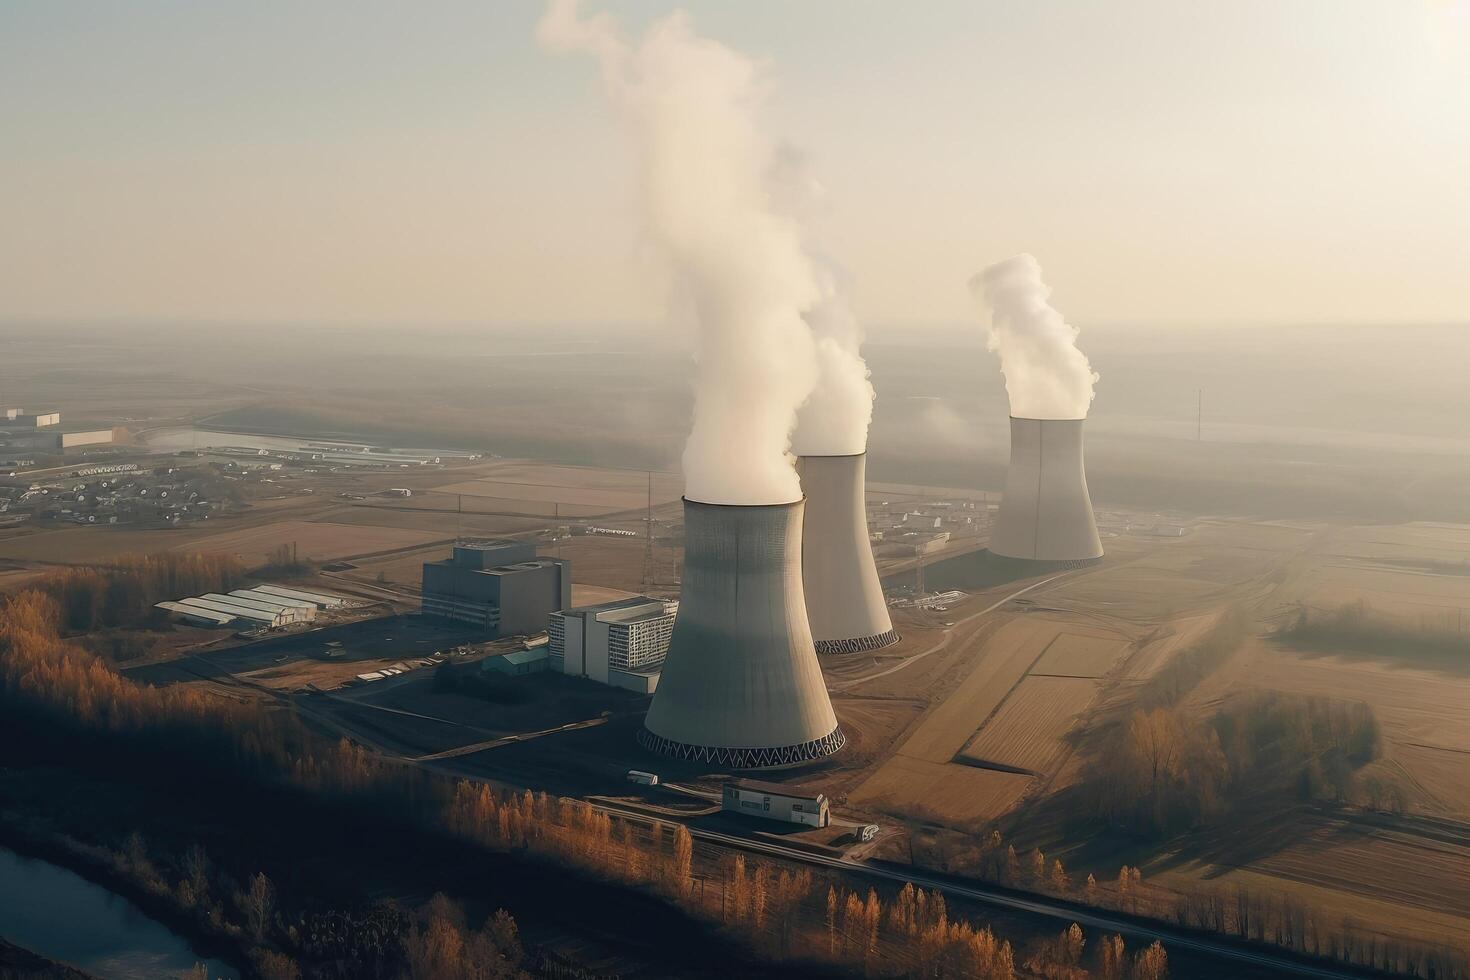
(1047,377)
(834,421)
(693,107)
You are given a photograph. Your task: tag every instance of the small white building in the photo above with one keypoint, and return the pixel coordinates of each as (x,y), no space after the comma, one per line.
(772,801)
(621,643)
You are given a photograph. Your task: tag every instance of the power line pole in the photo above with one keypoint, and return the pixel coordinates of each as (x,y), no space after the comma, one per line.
(1199,418)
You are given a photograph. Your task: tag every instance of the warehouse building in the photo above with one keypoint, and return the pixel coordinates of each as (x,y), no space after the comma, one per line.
(621,643)
(322,600)
(195,616)
(502,587)
(256,608)
(284,613)
(246,614)
(772,801)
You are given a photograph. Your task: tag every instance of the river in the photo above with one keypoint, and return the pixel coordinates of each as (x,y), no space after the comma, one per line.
(64,917)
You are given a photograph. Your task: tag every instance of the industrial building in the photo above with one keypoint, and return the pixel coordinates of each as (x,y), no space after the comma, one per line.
(741,687)
(257,608)
(322,600)
(284,614)
(773,801)
(622,642)
(844,599)
(249,615)
(195,616)
(1046,512)
(19,417)
(518,662)
(499,586)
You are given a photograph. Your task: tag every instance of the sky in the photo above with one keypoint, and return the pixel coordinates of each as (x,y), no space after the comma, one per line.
(1257,162)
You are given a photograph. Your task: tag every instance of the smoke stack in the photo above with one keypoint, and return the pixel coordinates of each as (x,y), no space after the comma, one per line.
(1046,513)
(741,687)
(844,600)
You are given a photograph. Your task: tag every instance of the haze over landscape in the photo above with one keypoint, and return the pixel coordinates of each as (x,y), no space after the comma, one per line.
(669,488)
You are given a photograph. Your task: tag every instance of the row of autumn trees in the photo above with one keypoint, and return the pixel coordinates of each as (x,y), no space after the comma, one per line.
(1164,769)
(781,911)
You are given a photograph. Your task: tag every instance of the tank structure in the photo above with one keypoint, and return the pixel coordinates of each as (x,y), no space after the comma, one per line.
(1046,512)
(741,686)
(844,599)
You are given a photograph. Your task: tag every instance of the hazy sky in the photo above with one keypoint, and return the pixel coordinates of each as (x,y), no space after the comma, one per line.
(1257,161)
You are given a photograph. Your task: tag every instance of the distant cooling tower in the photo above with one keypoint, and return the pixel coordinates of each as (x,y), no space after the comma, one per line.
(844,601)
(1046,513)
(741,687)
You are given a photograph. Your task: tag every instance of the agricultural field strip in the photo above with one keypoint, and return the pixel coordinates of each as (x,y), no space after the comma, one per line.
(1081,654)
(1026,731)
(924,772)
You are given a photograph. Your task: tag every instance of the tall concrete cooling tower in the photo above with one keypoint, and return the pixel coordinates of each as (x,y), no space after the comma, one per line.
(1046,513)
(741,687)
(844,600)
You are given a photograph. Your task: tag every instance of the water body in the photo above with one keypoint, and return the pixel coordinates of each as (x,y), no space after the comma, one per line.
(63,916)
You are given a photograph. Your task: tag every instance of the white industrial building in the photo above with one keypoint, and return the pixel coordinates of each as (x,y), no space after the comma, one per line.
(622,642)
(772,801)
(322,600)
(1046,513)
(261,607)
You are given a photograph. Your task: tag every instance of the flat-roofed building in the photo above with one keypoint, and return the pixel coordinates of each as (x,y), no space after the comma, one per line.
(622,642)
(501,587)
(518,662)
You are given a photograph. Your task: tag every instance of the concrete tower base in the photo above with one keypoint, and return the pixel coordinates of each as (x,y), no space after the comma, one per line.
(741,687)
(1046,513)
(844,599)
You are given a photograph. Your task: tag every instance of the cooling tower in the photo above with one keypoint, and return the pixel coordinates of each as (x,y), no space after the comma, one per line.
(741,687)
(844,601)
(1046,513)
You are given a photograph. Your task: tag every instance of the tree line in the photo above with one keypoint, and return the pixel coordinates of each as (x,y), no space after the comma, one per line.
(122,594)
(1356,627)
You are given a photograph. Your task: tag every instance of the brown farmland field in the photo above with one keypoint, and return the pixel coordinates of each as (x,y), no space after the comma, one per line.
(1078,654)
(313,539)
(1026,733)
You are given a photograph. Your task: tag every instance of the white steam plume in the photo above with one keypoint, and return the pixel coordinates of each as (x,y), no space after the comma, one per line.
(693,109)
(834,421)
(1047,377)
